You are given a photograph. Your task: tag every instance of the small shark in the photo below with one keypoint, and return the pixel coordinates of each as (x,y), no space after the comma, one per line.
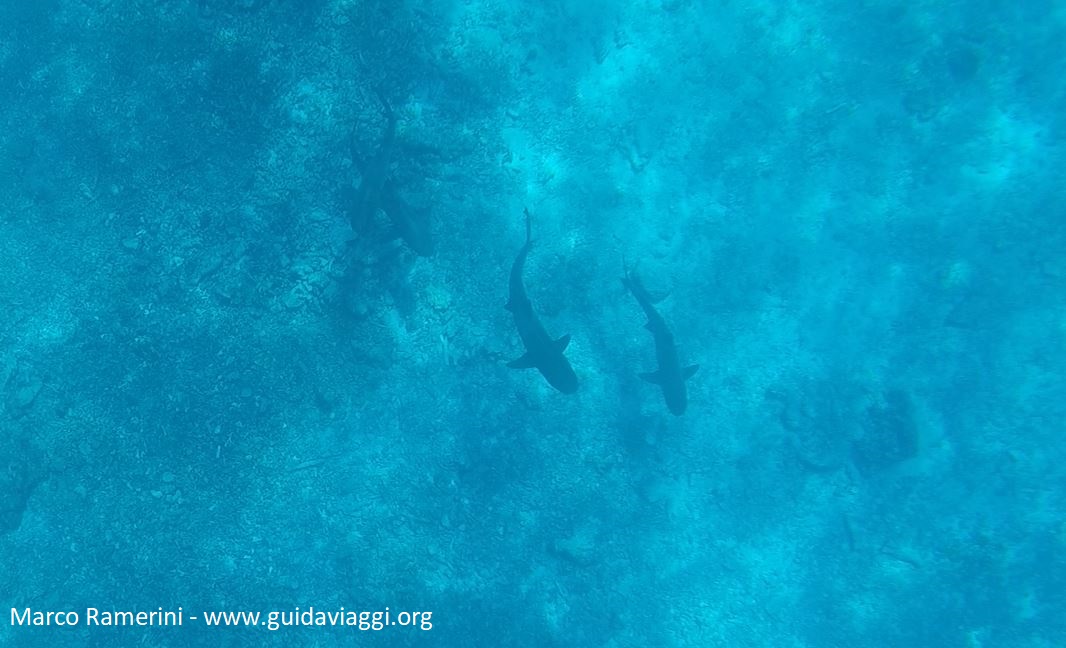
(542,352)
(377,190)
(670,376)
(364,201)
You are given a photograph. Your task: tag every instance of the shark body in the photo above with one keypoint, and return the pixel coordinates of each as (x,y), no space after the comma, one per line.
(542,352)
(670,376)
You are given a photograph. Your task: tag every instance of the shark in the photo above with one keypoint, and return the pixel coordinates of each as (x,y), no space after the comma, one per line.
(670,376)
(542,352)
(378,190)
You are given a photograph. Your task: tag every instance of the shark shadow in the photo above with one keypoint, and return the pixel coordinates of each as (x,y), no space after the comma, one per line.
(378,189)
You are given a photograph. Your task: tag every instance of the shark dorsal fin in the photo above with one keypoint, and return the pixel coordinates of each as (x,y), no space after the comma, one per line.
(562,343)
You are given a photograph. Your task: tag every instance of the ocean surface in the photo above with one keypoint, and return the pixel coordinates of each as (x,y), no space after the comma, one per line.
(574,323)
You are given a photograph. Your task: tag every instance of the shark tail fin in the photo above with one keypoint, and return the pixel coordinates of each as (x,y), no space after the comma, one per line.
(357,157)
(630,279)
(385,105)
(389,136)
(627,281)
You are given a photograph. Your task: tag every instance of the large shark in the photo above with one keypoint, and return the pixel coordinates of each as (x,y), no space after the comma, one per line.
(542,352)
(670,375)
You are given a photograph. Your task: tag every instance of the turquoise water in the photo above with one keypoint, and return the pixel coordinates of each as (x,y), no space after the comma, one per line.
(254,261)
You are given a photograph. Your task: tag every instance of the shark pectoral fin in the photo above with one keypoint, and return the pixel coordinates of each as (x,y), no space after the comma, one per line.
(562,343)
(525,362)
(689,371)
(507,306)
(652,377)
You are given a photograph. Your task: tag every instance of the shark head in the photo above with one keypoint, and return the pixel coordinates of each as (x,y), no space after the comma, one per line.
(563,378)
